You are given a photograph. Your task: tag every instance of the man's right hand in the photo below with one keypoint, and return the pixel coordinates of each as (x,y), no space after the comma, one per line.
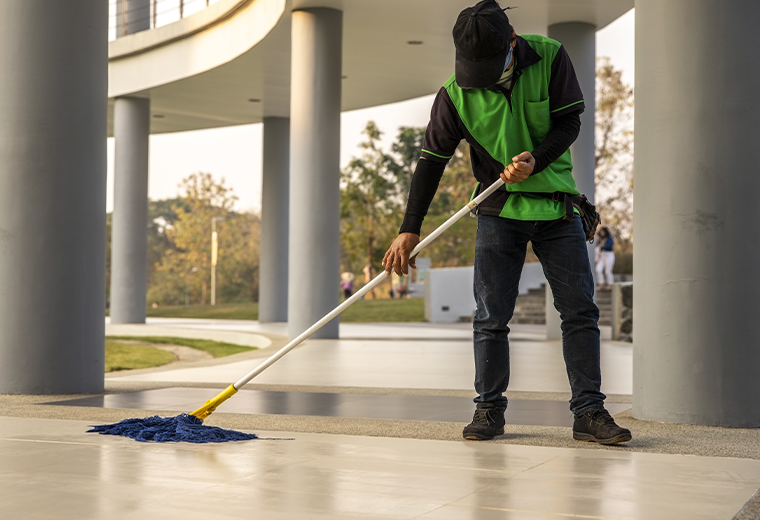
(397,257)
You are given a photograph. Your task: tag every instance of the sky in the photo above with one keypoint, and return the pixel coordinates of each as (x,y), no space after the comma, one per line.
(235,153)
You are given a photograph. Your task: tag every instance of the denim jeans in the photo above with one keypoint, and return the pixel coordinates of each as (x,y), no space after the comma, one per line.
(560,246)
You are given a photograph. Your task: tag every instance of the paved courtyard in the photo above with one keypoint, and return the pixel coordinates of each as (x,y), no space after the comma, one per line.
(365,427)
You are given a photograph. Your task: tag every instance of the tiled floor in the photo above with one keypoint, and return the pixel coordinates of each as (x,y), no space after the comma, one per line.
(372,406)
(537,366)
(397,331)
(50,469)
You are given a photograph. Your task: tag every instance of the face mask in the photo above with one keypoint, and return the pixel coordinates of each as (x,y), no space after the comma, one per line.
(509,58)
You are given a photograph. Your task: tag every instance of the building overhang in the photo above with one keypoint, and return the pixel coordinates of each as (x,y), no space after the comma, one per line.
(230,64)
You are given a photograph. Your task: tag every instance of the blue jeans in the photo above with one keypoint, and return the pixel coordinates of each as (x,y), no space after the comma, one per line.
(560,245)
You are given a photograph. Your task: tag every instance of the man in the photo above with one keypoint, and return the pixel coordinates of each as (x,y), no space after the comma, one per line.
(517,102)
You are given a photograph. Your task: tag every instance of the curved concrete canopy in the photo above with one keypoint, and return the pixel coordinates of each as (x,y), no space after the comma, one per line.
(191,46)
(380,65)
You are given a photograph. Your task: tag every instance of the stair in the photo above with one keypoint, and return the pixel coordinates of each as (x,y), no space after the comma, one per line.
(604,302)
(530,307)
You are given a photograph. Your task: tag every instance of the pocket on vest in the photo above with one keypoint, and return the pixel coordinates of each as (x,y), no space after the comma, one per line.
(538,118)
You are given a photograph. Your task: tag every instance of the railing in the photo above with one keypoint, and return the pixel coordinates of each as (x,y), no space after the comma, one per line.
(130,16)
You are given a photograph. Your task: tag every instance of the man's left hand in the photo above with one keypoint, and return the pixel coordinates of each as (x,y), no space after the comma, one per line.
(520,169)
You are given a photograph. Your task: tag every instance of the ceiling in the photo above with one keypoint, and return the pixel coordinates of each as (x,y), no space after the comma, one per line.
(379,64)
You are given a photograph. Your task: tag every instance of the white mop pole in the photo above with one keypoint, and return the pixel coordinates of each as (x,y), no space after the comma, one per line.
(367,288)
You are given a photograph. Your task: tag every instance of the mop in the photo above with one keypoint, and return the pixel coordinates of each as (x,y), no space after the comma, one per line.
(190,427)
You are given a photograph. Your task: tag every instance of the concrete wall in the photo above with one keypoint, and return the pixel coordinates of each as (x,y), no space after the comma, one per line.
(532,277)
(417,288)
(449,293)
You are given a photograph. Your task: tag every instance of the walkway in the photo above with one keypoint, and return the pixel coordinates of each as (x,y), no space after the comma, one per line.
(366,427)
(415,355)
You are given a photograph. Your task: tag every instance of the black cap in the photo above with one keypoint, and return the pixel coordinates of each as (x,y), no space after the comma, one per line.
(482,36)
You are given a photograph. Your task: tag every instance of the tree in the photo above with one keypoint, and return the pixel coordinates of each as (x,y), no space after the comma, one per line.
(237,271)
(370,204)
(184,267)
(456,247)
(374,193)
(161,216)
(614,151)
(407,150)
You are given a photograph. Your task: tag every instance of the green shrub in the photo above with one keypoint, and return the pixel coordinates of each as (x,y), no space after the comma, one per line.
(623,263)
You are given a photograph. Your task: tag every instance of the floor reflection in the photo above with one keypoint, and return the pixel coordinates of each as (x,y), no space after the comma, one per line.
(325,404)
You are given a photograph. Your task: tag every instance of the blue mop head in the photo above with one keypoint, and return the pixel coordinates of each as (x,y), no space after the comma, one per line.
(182,428)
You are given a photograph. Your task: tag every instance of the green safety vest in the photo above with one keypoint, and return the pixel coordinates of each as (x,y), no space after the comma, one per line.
(508,127)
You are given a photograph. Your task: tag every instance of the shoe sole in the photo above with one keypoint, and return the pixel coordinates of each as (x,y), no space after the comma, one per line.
(587,437)
(479,437)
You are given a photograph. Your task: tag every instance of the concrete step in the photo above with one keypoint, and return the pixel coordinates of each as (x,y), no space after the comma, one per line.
(530,308)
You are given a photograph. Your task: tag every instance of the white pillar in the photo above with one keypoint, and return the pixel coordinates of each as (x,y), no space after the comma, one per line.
(313,270)
(53,101)
(579,40)
(696,343)
(273,262)
(129,228)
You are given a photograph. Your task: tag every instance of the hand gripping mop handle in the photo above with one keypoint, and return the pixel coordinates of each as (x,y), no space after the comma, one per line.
(231,390)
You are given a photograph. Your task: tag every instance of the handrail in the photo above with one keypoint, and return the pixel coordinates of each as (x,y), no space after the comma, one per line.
(140,42)
(158,13)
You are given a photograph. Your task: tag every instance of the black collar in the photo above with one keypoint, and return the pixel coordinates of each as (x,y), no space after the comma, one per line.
(525,56)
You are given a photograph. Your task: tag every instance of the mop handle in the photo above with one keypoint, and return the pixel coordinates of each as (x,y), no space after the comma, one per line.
(368,287)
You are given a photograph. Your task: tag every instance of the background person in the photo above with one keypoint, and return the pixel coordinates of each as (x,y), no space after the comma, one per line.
(347,284)
(517,102)
(605,259)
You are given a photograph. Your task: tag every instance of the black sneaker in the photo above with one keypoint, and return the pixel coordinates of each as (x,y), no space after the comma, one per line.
(599,426)
(487,423)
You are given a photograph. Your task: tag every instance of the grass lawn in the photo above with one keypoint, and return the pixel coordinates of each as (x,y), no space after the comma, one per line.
(378,311)
(215,348)
(222,311)
(128,356)
(131,352)
(363,311)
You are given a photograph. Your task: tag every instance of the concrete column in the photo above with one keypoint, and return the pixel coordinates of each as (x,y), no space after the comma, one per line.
(579,40)
(53,100)
(313,270)
(273,262)
(129,239)
(696,342)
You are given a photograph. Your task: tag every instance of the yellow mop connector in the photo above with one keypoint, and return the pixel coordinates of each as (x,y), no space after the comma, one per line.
(208,408)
